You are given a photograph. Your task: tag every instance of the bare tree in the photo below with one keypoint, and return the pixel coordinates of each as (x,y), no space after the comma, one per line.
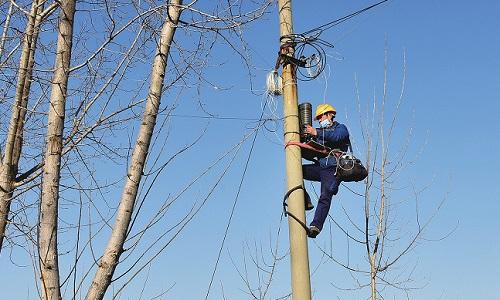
(385,166)
(14,141)
(260,266)
(114,249)
(49,207)
(380,232)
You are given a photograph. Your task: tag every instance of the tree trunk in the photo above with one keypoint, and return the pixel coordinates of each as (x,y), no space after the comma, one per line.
(373,277)
(13,146)
(47,237)
(5,29)
(114,249)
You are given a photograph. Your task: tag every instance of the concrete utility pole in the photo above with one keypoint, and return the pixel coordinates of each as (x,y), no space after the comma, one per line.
(301,284)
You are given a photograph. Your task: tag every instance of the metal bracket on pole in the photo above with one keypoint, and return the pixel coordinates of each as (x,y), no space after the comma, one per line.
(285,59)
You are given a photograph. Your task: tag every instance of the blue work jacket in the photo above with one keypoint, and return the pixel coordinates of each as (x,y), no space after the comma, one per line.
(333,137)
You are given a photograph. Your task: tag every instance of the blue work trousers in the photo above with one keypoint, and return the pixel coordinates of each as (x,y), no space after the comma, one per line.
(329,187)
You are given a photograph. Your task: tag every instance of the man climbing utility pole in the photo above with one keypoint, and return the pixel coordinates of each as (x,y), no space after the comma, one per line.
(301,285)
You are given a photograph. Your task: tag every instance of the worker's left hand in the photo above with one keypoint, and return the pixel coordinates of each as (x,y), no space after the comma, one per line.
(311,130)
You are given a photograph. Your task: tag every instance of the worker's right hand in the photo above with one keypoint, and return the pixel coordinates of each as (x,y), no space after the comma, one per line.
(311,130)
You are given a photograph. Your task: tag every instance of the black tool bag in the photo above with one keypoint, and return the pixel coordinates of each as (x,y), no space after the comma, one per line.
(350,168)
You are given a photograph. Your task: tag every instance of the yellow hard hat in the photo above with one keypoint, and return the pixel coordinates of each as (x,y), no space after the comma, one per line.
(324,108)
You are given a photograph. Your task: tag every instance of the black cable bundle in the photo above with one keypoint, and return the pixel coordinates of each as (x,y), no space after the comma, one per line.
(314,63)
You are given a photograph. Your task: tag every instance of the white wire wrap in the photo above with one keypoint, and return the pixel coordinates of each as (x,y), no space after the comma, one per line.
(274,84)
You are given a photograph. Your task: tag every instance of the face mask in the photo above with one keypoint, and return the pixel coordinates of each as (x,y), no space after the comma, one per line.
(325,123)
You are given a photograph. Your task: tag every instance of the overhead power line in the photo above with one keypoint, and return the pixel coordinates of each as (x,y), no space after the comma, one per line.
(318,30)
(223,118)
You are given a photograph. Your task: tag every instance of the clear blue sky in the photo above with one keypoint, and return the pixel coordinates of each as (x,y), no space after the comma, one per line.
(452,94)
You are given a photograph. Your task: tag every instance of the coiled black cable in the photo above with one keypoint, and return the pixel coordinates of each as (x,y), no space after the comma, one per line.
(311,66)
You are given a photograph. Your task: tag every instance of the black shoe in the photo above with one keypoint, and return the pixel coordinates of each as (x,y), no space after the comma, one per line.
(313,231)
(307,201)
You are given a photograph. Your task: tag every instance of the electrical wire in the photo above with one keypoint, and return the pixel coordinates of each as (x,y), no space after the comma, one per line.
(223,118)
(234,203)
(318,30)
